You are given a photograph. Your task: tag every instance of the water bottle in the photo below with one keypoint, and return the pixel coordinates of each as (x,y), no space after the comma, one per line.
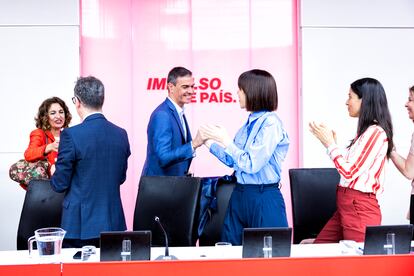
(126,250)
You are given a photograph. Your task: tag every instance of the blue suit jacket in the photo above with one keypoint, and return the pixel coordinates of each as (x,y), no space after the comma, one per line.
(91,166)
(167,151)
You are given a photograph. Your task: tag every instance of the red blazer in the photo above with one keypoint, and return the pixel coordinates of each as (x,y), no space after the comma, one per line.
(35,150)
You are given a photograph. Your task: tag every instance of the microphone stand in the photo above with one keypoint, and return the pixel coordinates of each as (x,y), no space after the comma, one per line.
(166,256)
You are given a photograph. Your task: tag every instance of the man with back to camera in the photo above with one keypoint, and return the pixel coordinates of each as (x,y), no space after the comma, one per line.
(91,166)
(170,147)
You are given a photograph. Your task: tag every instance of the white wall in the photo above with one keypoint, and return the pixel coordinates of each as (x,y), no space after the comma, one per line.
(39,58)
(343,41)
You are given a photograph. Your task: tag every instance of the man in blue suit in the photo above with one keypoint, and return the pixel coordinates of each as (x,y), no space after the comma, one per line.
(91,166)
(170,147)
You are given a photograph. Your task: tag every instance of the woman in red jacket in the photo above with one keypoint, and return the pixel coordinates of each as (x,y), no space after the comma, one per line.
(52,116)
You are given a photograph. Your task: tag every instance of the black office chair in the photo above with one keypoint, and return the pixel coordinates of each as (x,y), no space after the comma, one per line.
(42,208)
(313,192)
(174,200)
(213,228)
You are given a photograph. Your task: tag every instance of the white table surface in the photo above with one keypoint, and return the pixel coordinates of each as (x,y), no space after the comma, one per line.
(182,253)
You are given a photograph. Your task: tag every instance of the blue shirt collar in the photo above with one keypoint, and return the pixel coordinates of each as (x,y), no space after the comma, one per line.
(255,115)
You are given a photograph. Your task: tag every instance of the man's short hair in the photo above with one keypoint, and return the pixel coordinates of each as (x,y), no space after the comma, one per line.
(177,72)
(90,91)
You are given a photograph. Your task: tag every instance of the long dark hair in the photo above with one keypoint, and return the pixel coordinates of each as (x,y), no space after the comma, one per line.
(374,108)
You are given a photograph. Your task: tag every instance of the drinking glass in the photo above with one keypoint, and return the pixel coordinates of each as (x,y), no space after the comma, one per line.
(390,246)
(87,252)
(126,250)
(223,249)
(267,247)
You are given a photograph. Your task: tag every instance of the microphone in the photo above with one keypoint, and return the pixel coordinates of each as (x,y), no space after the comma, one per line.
(166,256)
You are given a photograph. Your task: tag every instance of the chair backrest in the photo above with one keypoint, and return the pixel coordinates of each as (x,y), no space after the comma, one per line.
(42,208)
(174,199)
(313,192)
(213,228)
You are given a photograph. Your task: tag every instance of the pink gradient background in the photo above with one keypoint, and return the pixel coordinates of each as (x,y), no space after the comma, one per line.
(126,42)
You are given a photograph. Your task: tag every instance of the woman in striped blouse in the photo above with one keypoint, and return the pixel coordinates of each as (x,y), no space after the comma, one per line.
(361,165)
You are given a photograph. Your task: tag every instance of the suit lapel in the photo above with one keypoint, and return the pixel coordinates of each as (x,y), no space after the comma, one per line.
(49,137)
(176,117)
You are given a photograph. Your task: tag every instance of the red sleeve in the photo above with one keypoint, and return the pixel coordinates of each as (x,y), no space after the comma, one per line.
(35,150)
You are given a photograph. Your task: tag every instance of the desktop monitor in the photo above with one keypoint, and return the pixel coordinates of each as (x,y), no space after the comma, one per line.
(376,239)
(125,245)
(253,241)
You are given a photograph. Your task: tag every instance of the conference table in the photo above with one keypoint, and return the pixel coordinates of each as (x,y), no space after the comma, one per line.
(306,259)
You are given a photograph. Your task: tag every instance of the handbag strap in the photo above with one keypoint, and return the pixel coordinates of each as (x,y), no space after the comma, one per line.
(46,141)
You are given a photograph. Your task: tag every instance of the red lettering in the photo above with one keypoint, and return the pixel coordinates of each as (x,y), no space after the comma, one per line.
(203,96)
(218,83)
(228,97)
(149,84)
(203,84)
(211,92)
(159,84)
(213,98)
